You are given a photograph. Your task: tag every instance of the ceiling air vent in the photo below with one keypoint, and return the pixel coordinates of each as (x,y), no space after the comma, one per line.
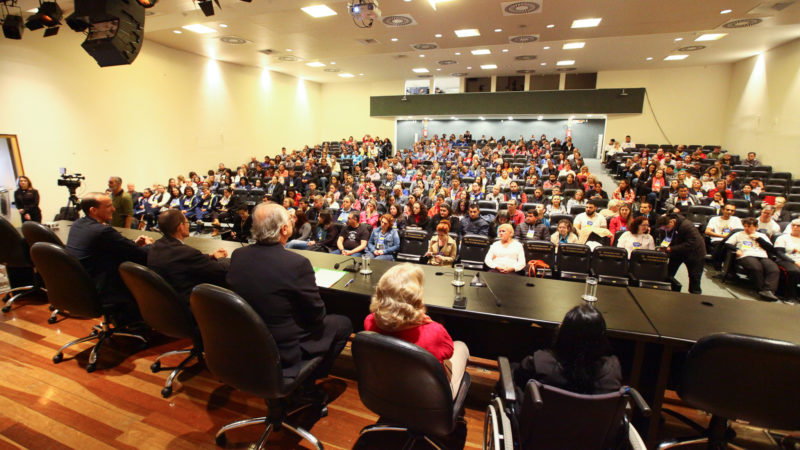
(425,76)
(742,23)
(331,70)
(447,62)
(691,48)
(525,57)
(459,74)
(524,39)
(368,41)
(517,8)
(770,8)
(288,58)
(232,40)
(526,71)
(567,69)
(399,20)
(400,56)
(427,46)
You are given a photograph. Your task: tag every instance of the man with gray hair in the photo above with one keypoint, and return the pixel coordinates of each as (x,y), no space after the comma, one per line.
(281,287)
(123,204)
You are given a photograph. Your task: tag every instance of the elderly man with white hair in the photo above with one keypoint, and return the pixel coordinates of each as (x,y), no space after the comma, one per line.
(280,286)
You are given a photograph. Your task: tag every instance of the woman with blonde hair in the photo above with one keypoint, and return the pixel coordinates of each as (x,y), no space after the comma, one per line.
(397,309)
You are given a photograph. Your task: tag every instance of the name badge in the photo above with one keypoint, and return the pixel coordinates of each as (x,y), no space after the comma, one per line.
(637,244)
(589,222)
(747,244)
(530,233)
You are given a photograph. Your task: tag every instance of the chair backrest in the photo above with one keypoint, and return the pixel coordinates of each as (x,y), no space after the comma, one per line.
(611,261)
(239,349)
(414,242)
(781,175)
(474,248)
(744,377)
(739,203)
(650,265)
(160,306)
(743,212)
(541,250)
(565,418)
(574,258)
(13,248)
(403,383)
(577,209)
(487,204)
(70,289)
(35,232)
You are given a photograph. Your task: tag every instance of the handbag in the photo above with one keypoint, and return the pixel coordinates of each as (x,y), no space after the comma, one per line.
(536,264)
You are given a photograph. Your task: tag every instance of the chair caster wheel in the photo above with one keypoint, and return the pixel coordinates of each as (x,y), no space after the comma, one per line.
(166,392)
(58,358)
(155,367)
(52,308)
(221,440)
(52,320)
(6,308)
(323,412)
(90,367)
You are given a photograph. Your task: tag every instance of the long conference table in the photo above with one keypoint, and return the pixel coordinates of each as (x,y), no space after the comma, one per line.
(647,327)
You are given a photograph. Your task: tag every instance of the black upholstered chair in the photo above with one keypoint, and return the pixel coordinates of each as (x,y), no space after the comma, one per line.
(165,312)
(738,377)
(35,232)
(610,265)
(407,387)
(650,269)
(413,246)
(240,351)
(71,291)
(473,251)
(543,251)
(14,255)
(574,261)
(553,418)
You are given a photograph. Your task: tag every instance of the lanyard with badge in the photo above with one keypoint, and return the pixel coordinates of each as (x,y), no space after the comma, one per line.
(668,239)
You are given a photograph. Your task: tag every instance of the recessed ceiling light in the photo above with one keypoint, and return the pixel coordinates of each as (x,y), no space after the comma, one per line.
(199,28)
(497,30)
(394,39)
(649,58)
(481,118)
(573,45)
(346,75)
(420,70)
(333,62)
(288,50)
(468,32)
(551,26)
(407,1)
(315,64)
(547,47)
(543,64)
(453,118)
(710,37)
(488,66)
(678,39)
(566,62)
(505,50)
(481,51)
(319,11)
(539,118)
(469,67)
(177,31)
(421,56)
(438,35)
(458,53)
(222,25)
(726,11)
(675,57)
(438,69)
(510,118)
(586,23)
(361,74)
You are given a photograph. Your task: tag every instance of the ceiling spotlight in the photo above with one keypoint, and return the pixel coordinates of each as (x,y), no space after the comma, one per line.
(207,7)
(547,47)
(438,35)
(551,26)
(481,118)
(177,31)
(13,27)
(420,70)
(675,57)
(481,51)
(458,53)
(726,11)
(566,62)
(469,32)
(649,58)
(586,23)
(394,39)
(315,64)
(573,45)
(710,37)
(678,39)
(488,66)
(222,25)
(505,50)
(539,118)
(498,30)
(48,15)
(147,3)
(346,75)
(318,11)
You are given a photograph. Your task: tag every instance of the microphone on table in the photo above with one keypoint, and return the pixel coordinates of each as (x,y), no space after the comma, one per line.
(478,282)
(351,268)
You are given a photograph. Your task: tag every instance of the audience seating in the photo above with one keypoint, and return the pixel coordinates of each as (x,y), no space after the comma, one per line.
(165,312)
(544,251)
(649,268)
(610,265)
(407,387)
(413,246)
(473,251)
(577,209)
(743,212)
(700,215)
(487,205)
(240,351)
(72,291)
(574,261)
(14,255)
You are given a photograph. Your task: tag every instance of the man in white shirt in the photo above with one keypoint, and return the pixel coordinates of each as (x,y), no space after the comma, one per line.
(628,143)
(754,259)
(788,248)
(766,224)
(590,218)
(719,227)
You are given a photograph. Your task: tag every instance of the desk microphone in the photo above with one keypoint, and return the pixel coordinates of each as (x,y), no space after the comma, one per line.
(352,268)
(477,282)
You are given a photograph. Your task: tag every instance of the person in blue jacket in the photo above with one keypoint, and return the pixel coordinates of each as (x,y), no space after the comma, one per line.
(384,242)
(189,203)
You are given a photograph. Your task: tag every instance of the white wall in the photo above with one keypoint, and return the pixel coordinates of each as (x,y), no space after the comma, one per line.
(690,104)
(764,108)
(168,112)
(345,109)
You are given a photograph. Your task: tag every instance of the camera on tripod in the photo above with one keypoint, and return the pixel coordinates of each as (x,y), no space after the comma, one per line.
(72,183)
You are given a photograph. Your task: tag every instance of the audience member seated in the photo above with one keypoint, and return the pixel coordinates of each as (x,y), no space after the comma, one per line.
(681,202)
(612,209)
(580,359)
(638,235)
(506,255)
(596,192)
(188,204)
(347,208)
(370,214)
(384,242)
(747,194)
(183,266)
(555,206)
(398,309)
(532,228)
(242,223)
(579,199)
(101,249)
(780,214)
(752,256)
(719,227)
(766,224)
(353,238)
(788,249)
(474,223)
(621,221)
(442,248)
(720,186)
(646,209)
(418,217)
(624,192)
(751,160)
(281,287)
(499,219)
(515,216)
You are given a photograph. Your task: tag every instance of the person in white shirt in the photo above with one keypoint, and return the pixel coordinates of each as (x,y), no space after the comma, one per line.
(766,224)
(628,143)
(754,259)
(637,237)
(590,218)
(788,248)
(505,255)
(719,227)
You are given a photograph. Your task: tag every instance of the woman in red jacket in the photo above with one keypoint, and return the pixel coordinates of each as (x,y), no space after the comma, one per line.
(397,309)
(621,221)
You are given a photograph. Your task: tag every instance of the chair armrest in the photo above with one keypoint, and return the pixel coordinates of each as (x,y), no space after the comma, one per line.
(638,401)
(532,389)
(509,394)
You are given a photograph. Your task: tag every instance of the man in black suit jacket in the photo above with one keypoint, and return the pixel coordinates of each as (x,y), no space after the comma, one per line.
(281,287)
(274,190)
(101,249)
(182,266)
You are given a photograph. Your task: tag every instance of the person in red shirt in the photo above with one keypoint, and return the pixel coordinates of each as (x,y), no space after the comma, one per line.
(397,309)
(722,190)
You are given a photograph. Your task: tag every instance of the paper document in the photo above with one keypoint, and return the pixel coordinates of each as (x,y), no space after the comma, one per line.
(326,277)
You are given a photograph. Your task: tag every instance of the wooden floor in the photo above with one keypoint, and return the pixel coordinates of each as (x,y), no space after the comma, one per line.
(49,406)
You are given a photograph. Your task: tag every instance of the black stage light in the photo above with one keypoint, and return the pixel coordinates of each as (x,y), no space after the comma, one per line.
(116,30)
(207,6)
(147,3)
(48,15)
(51,31)
(78,23)
(13,27)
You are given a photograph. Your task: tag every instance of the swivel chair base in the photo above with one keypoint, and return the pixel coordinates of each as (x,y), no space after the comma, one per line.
(276,420)
(717,436)
(100,332)
(412,436)
(9,299)
(156,366)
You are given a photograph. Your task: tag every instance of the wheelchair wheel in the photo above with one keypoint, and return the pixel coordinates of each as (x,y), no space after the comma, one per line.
(497,434)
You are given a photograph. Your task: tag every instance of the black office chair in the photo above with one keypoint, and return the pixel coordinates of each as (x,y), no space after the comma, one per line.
(577,209)
(473,251)
(72,291)
(487,205)
(165,312)
(738,377)
(610,265)
(700,215)
(544,251)
(407,387)
(574,261)
(553,418)
(413,246)
(35,232)
(650,269)
(240,351)
(14,255)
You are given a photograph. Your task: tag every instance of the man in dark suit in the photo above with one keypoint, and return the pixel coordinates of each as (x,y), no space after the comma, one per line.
(101,249)
(274,190)
(684,245)
(281,287)
(182,266)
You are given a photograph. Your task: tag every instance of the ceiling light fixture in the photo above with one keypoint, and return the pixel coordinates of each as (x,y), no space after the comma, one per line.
(318,11)
(437,35)
(207,6)
(346,75)
(586,23)
(421,56)
(13,26)
(481,118)
(222,25)
(510,118)
(315,64)
(288,50)
(420,70)
(147,3)
(488,66)
(498,30)
(547,47)
(551,26)
(726,11)
(177,31)
(481,51)
(565,62)
(573,45)
(48,15)
(678,39)
(649,58)
(199,28)
(710,37)
(539,118)
(435,2)
(675,57)
(394,39)
(505,50)
(468,32)
(458,53)
(543,64)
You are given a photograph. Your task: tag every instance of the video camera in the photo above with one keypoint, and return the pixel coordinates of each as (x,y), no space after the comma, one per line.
(72,183)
